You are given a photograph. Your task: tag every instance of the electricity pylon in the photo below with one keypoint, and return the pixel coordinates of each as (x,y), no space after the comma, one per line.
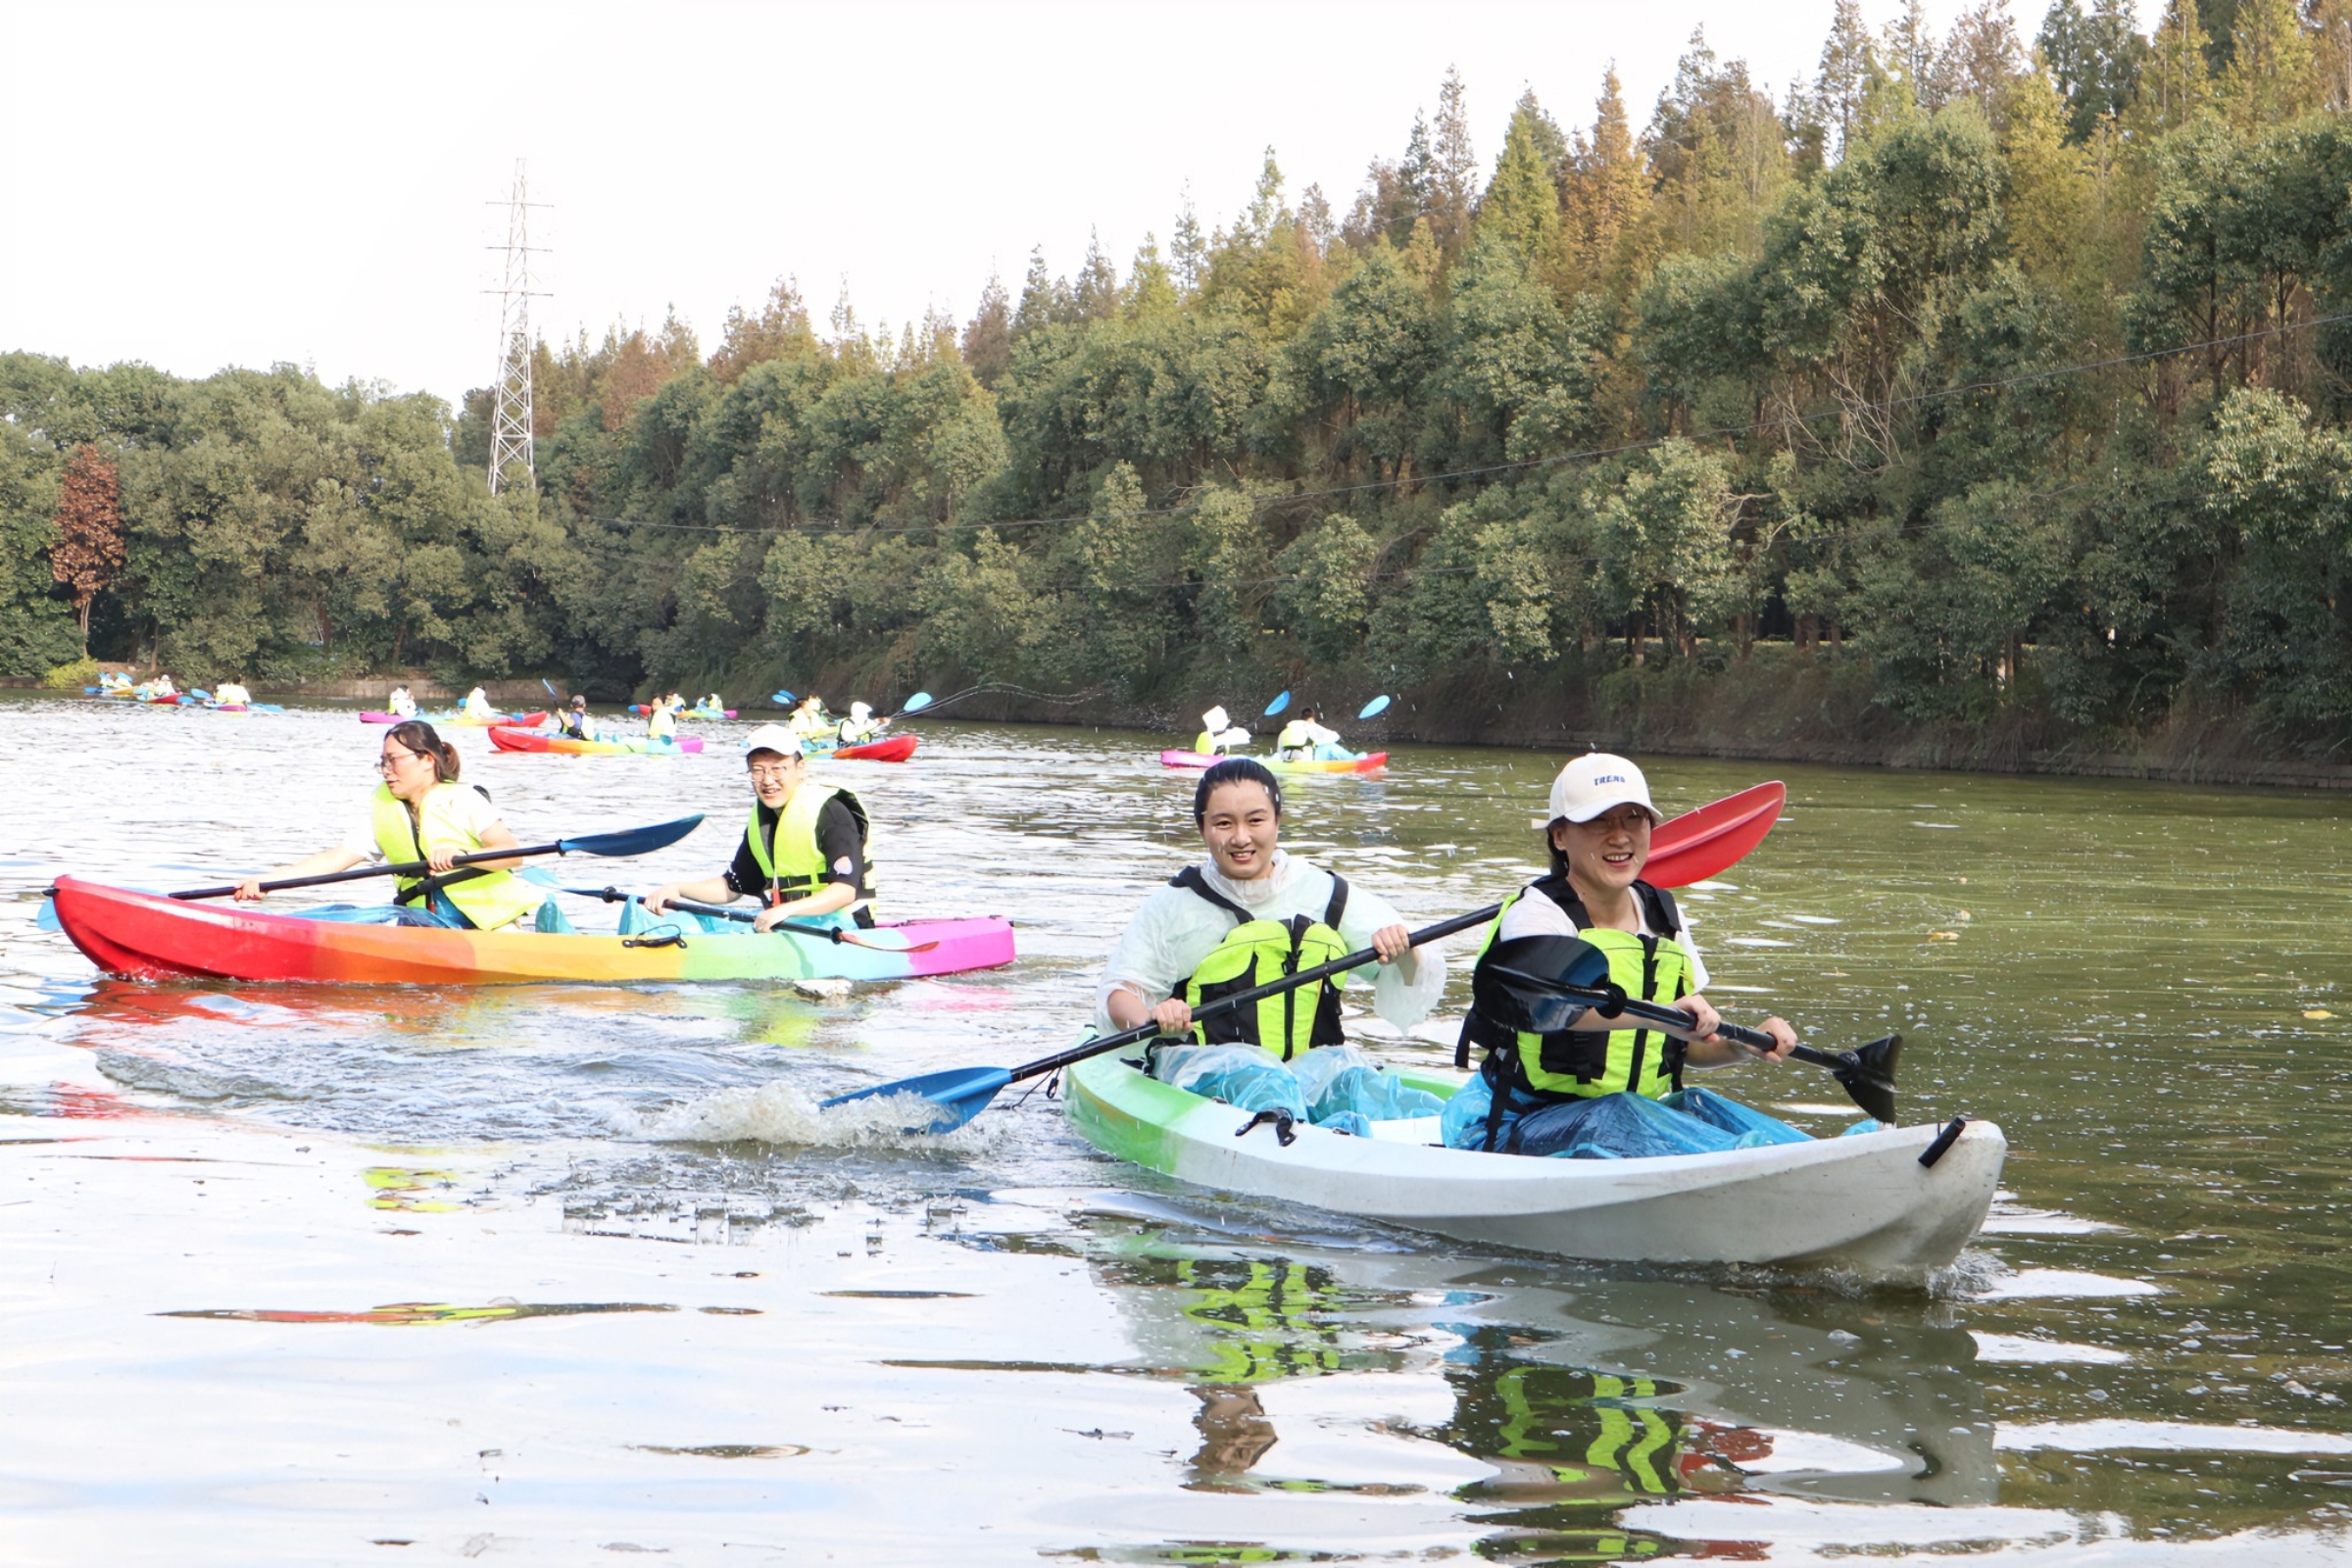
(510,407)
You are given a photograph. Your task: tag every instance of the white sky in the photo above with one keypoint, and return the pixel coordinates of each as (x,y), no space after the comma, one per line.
(201,186)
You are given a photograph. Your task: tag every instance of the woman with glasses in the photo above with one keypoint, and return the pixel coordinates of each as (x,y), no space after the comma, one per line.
(421,812)
(803,853)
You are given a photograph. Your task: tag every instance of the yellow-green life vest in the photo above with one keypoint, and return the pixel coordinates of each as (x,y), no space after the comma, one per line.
(1257,952)
(1294,737)
(1587,1063)
(488,898)
(790,862)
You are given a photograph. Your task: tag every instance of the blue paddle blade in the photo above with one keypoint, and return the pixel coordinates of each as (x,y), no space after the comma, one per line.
(956,1096)
(1278,704)
(919,699)
(631,841)
(46,920)
(551,688)
(1377,705)
(779,696)
(201,694)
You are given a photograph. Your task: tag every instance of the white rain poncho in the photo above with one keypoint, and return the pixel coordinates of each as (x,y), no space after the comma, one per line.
(1176,928)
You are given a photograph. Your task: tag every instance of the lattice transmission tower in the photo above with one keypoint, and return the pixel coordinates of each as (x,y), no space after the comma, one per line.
(511,409)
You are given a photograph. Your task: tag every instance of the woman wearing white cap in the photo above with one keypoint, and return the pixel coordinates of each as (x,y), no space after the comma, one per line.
(1216,738)
(1599,838)
(861,725)
(803,853)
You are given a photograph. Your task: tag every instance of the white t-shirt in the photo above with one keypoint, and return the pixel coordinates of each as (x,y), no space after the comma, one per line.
(1536,916)
(1176,928)
(471,807)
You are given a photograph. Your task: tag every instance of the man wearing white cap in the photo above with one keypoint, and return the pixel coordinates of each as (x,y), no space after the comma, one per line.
(803,853)
(1598,835)
(861,725)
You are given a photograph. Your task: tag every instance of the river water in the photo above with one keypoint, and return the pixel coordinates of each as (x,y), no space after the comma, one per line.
(567,1274)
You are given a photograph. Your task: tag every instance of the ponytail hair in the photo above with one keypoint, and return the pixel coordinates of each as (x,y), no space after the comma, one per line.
(419,736)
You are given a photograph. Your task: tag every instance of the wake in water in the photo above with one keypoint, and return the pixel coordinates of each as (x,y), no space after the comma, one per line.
(779,1114)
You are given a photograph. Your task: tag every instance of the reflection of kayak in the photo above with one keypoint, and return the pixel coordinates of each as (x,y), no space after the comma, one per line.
(1863,1202)
(1370,762)
(525,740)
(143,935)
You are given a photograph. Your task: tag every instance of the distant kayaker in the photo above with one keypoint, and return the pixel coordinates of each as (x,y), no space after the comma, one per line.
(1249,912)
(861,725)
(810,721)
(713,705)
(231,694)
(162,686)
(477,706)
(421,812)
(1303,738)
(574,720)
(803,851)
(1541,1085)
(662,720)
(1218,734)
(400,704)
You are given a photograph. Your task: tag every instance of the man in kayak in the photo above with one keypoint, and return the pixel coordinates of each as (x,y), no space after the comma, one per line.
(1303,738)
(803,851)
(1248,913)
(574,721)
(861,725)
(1218,734)
(421,812)
(231,694)
(1538,1087)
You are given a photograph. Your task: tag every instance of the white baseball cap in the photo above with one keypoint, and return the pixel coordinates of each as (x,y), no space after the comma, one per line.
(860,711)
(772,738)
(1594,783)
(1216,718)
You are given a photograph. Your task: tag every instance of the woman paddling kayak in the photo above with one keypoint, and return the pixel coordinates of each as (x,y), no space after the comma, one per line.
(421,812)
(1249,912)
(1538,1088)
(803,853)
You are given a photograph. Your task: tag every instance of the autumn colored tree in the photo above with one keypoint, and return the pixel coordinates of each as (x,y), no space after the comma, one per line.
(89,530)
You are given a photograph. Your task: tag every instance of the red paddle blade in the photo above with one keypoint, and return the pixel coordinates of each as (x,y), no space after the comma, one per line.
(1698,844)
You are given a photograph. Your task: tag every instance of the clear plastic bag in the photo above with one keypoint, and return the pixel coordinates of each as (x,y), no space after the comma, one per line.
(1243,1076)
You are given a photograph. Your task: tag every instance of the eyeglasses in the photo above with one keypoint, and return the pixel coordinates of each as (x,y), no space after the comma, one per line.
(774,775)
(392,760)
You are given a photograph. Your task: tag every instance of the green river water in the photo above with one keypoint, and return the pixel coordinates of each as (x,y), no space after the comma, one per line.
(712,1328)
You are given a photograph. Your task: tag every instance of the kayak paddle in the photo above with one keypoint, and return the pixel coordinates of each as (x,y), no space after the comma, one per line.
(960,1093)
(551,688)
(628,841)
(1553,980)
(1373,708)
(1711,838)
(830,933)
(779,697)
(914,705)
(1278,704)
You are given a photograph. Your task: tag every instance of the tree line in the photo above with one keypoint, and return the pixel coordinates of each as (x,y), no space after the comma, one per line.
(1999,377)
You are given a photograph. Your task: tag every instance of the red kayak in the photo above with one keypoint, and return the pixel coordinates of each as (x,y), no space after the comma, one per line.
(895,748)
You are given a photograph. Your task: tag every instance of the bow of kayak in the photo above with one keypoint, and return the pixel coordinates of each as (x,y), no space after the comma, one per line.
(1863,1202)
(147,936)
(895,748)
(503,739)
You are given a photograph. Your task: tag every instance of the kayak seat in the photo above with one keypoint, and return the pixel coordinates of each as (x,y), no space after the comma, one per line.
(551,920)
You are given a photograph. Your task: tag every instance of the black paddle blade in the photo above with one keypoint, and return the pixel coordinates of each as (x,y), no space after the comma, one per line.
(1519,984)
(1870,1076)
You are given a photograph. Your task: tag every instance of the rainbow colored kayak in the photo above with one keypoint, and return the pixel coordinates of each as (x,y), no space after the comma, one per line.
(1369,762)
(146,936)
(527,740)
(641,709)
(460,720)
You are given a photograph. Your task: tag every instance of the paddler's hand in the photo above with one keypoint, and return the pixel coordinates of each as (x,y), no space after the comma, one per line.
(1174,1016)
(770,918)
(250,891)
(1703,1016)
(1783,1041)
(1393,942)
(441,860)
(658,901)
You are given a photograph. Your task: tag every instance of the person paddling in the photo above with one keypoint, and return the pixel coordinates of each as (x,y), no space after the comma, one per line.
(231,694)
(478,707)
(1218,734)
(861,725)
(803,851)
(661,722)
(421,811)
(574,721)
(1538,1087)
(400,704)
(1303,738)
(810,721)
(1249,912)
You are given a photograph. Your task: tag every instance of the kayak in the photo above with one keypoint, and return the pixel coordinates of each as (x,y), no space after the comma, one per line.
(460,720)
(1370,762)
(891,748)
(503,739)
(1862,1203)
(147,936)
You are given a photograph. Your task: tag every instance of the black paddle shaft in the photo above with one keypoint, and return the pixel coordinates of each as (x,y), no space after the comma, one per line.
(1256,994)
(627,840)
(1609,1003)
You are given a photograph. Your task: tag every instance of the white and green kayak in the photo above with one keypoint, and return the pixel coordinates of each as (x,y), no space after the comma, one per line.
(1863,1202)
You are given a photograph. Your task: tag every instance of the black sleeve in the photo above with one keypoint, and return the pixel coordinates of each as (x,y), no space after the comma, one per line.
(744,875)
(837,839)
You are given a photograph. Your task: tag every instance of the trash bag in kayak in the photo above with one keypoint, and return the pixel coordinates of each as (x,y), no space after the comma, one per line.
(1690,1121)
(1243,1076)
(1341,1080)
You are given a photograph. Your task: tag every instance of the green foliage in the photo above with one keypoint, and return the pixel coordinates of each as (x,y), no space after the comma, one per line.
(73,676)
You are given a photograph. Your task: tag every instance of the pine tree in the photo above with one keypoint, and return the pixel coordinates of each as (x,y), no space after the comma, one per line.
(1188,249)
(89,531)
(1151,286)
(988,336)
(2177,80)
(2270,76)
(1604,194)
(1453,165)
(1849,59)
(1045,298)
(1095,296)
(1522,204)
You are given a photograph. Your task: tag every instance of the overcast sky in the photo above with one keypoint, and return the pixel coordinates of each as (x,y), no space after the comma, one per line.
(203,185)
